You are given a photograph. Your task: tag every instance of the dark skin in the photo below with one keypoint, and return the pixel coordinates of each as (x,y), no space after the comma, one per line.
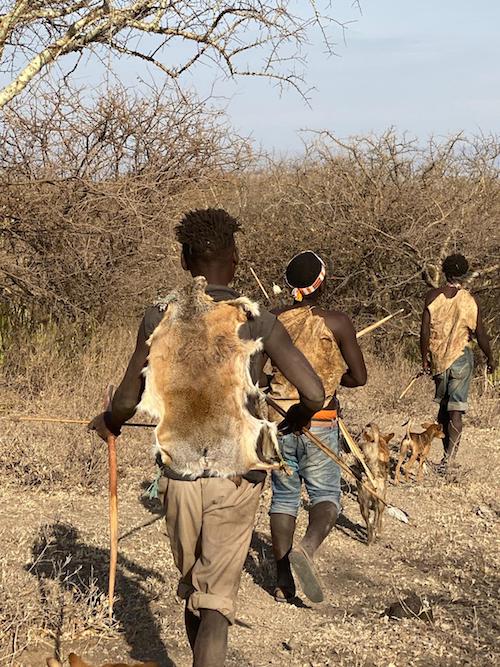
(323,516)
(208,633)
(451,420)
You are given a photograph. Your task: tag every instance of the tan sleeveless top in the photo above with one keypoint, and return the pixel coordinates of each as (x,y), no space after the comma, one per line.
(452,322)
(311,335)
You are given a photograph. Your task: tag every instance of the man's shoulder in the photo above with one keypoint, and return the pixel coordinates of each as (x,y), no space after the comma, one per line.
(432,294)
(262,324)
(339,323)
(153,315)
(336,318)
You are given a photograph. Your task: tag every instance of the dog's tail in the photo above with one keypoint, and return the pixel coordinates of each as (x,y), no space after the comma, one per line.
(408,428)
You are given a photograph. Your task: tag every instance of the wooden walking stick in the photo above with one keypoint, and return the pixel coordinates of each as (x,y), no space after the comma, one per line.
(410,384)
(395,512)
(113,511)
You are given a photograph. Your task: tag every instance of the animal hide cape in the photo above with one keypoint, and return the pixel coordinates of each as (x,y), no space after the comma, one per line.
(198,386)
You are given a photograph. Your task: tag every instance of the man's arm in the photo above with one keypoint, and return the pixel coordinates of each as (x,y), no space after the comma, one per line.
(425,334)
(128,395)
(484,341)
(345,335)
(298,371)
(425,331)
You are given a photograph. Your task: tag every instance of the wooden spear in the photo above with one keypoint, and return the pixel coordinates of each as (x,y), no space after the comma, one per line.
(63,420)
(355,449)
(396,512)
(260,284)
(375,325)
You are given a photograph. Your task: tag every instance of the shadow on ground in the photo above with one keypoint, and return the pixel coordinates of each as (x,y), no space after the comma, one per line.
(59,555)
(353,530)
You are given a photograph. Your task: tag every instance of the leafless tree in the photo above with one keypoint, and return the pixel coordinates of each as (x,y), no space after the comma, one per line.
(172,35)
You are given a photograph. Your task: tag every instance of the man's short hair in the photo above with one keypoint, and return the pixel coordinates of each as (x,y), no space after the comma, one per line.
(206,232)
(455,266)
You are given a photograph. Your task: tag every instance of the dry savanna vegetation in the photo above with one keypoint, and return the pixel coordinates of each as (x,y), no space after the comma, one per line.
(90,192)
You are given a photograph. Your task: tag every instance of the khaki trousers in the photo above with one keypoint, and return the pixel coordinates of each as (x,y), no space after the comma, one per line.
(210,523)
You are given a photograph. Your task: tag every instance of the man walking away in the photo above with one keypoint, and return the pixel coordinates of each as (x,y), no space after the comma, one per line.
(451,317)
(209,519)
(328,340)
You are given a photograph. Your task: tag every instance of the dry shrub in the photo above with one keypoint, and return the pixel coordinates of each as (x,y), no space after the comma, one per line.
(384,212)
(90,191)
(90,194)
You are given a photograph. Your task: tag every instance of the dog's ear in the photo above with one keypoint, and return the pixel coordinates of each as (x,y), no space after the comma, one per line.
(388,437)
(52,662)
(368,433)
(427,425)
(75,661)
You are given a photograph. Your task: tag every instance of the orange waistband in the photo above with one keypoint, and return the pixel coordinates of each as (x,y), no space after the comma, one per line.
(324,415)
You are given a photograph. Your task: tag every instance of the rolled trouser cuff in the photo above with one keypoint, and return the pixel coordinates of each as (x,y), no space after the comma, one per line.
(223,605)
(284,509)
(335,500)
(459,406)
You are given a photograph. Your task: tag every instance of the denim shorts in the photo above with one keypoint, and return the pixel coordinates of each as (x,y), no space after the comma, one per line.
(320,474)
(452,386)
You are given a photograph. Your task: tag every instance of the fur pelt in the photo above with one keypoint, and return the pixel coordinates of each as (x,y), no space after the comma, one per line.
(198,386)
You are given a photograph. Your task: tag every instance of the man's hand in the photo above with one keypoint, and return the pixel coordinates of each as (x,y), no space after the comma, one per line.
(491,365)
(98,424)
(296,418)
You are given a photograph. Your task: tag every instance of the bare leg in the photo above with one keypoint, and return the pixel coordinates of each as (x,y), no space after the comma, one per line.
(211,640)
(444,420)
(282,530)
(454,434)
(192,624)
(322,518)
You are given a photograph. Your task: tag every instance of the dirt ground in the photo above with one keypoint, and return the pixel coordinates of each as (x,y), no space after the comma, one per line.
(55,558)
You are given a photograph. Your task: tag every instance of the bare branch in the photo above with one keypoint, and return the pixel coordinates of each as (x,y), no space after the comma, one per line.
(35,34)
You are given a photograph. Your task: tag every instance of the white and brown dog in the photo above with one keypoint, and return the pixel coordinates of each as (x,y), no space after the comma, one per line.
(375,448)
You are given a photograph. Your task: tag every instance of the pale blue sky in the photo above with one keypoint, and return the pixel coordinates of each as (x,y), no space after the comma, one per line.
(422,66)
(426,67)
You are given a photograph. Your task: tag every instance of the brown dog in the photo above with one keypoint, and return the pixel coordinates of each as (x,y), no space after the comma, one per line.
(420,444)
(375,450)
(75,661)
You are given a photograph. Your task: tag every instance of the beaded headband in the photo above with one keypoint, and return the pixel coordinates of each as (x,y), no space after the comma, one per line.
(299,292)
